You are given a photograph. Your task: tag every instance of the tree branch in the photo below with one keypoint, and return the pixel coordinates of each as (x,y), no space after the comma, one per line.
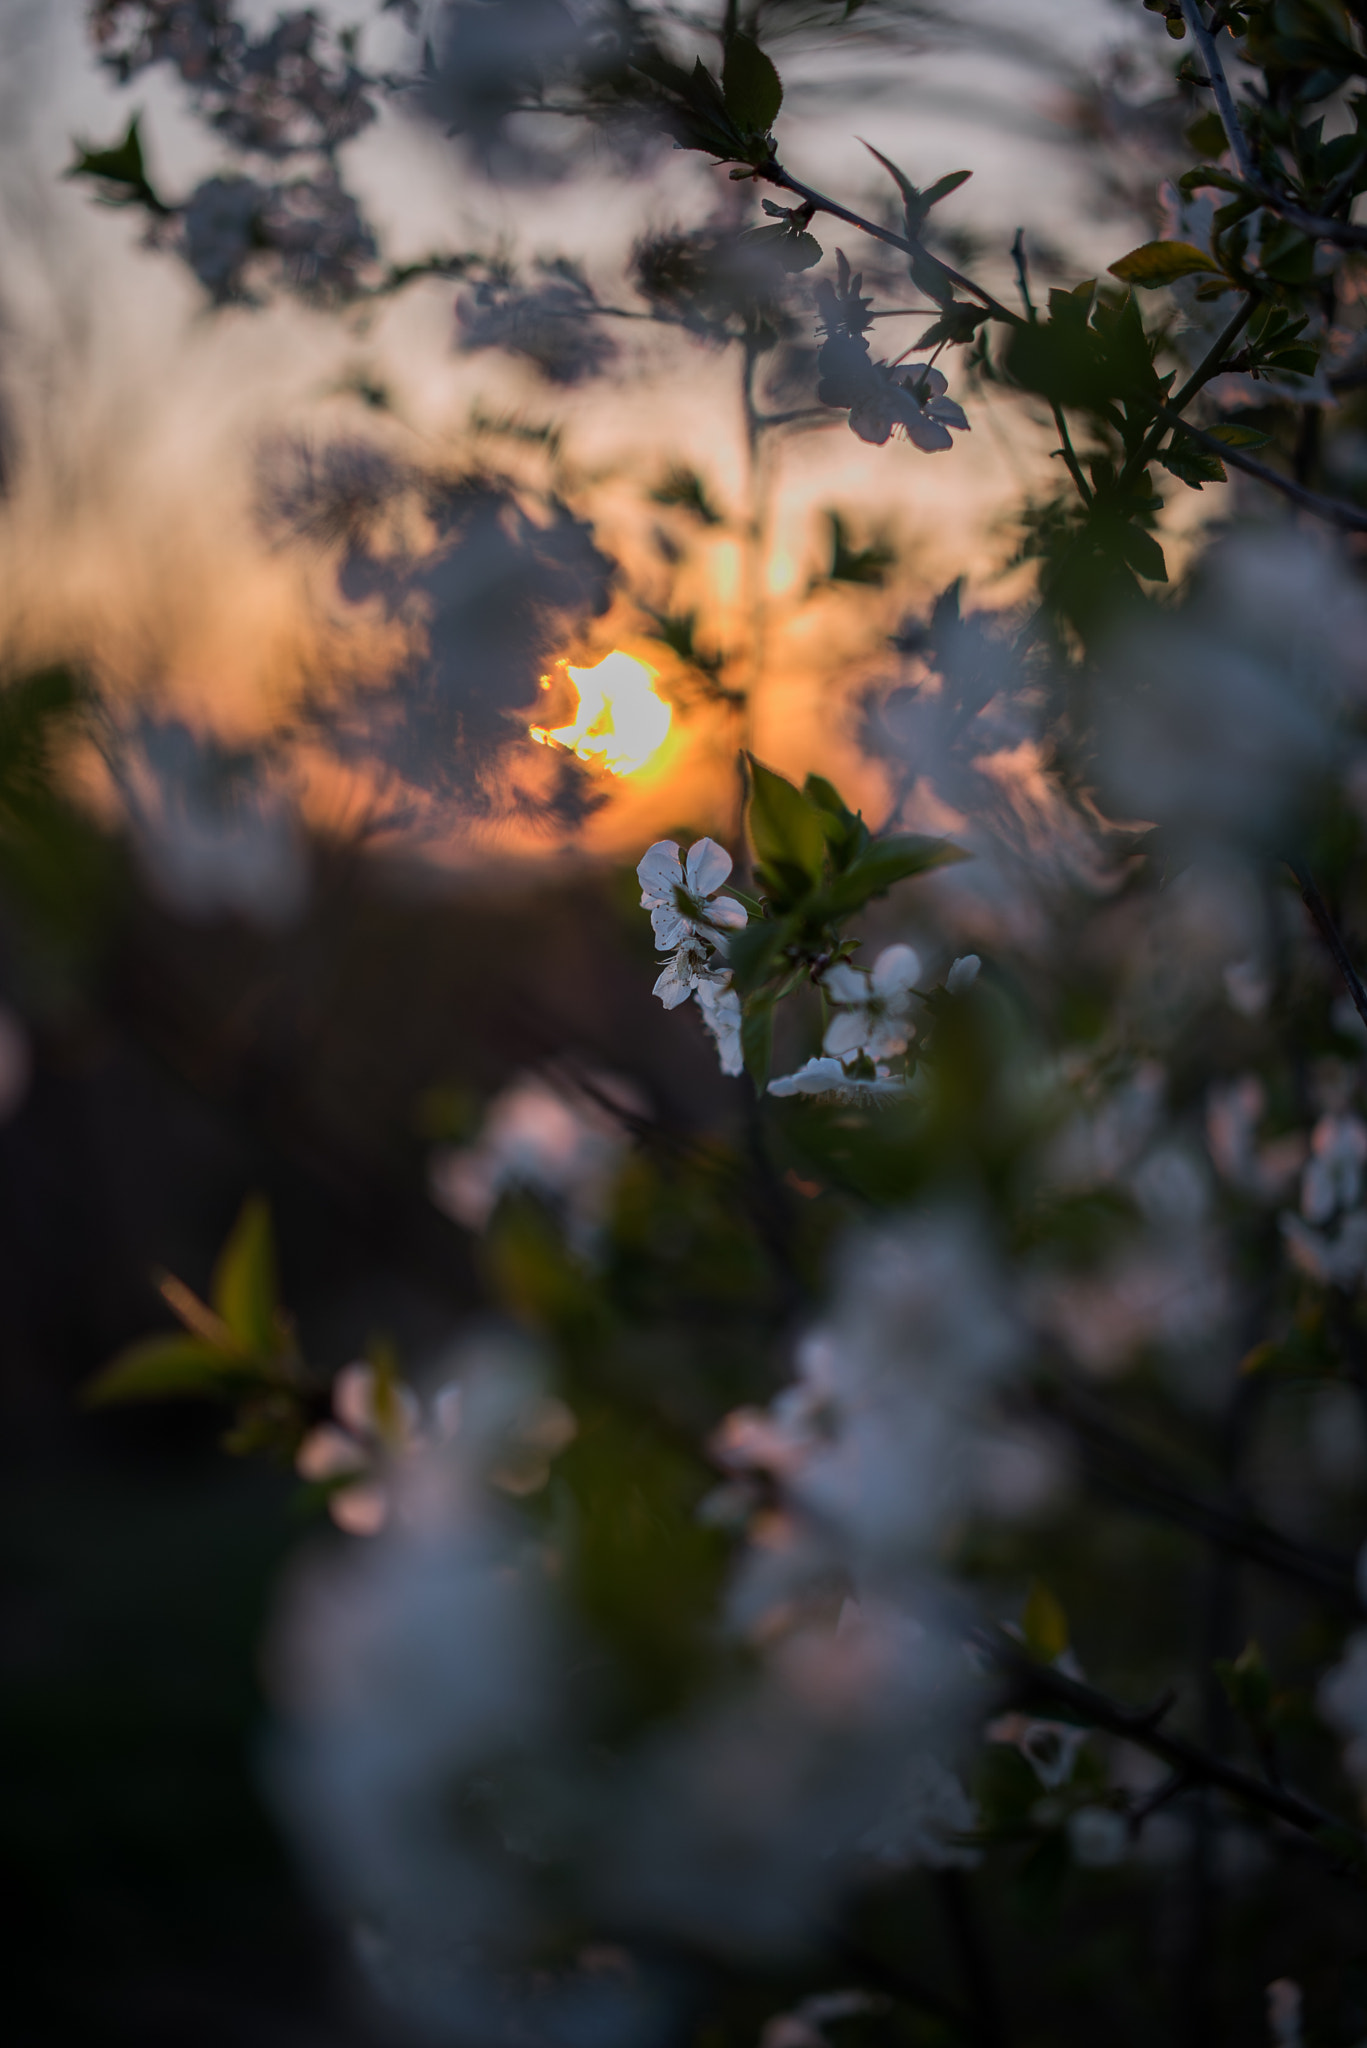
(774,174)
(1345,233)
(1043,1685)
(1329,932)
(1333,510)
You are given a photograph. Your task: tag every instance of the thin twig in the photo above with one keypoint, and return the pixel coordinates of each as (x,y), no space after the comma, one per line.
(1045,1685)
(1329,932)
(1343,232)
(1333,510)
(774,174)
(1219,85)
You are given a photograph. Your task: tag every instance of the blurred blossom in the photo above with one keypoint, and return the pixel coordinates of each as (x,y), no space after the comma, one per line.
(1234,1111)
(231,227)
(490,58)
(378,1424)
(1174,1294)
(878,1440)
(294,88)
(1221,720)
(1098,1837)
(1328,1240)
(1284,2013)
(746,1820)
(823,1076)
(1098,1145)
(1342,1699)
(555,1142)
(215,833)
(962,974)
(802,2027)
(1333,1174)
(1247,987)
(549,327)
(484,606)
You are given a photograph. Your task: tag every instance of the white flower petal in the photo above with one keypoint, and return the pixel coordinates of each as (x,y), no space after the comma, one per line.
(725,911)
(887,1035)
(659,872)
(897,969)
(845,984)
(847,1032)
(675,985)
(327,1452)
(952,415)
(962,974)
(708,867)
(671,928)
(817,1077)
(922,431)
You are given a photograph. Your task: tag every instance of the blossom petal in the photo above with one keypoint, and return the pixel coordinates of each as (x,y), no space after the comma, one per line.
(659,872)
(817,1077)
(962,974)
(922,431)
(675,984)
(708,867)
(951,413)
(887,1035)
(847,1032)
(725,911)
(897,969)
(671,928)
(845,984)
(872,418)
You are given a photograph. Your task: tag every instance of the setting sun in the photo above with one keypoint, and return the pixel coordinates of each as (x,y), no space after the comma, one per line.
(621,720)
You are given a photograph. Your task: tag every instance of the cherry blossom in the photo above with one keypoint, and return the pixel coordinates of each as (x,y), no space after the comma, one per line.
(828,1077)
(872,1010)
(663,876)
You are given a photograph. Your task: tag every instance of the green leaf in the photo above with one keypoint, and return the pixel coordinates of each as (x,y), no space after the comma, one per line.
(751,954)
(1044,1624)
(1248,1685)
(942,188)
(244,1290)
(1236,436)
(786,829)
(752,87)
(1299,362)
(1143,553)
(1207,134)
(757,1040)
(1193,464)
(122,168)
(1158,263)
(883,863)
(174,1367)
(793,251)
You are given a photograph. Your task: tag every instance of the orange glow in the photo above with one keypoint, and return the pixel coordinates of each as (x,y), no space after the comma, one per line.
(621,721)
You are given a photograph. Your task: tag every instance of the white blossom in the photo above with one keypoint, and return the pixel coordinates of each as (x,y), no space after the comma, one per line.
(1335,1259)
(550,1140)
(1333,1173)
(820,1076)
(376,1422)
(872,1010)
(721,1013)
(683,971)
(962,974)
(699,876)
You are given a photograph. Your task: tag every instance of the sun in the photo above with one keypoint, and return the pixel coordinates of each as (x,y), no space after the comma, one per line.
(622,721)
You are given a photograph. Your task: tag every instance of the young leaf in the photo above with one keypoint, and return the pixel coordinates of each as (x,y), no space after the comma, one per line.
(120,170)
(1143,553)
(244,1288)
(1044,1623)
(882,863)
(173,1367)
(785,827)
(1192,463)
(753,89)
(1235,435)
(1158,263)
